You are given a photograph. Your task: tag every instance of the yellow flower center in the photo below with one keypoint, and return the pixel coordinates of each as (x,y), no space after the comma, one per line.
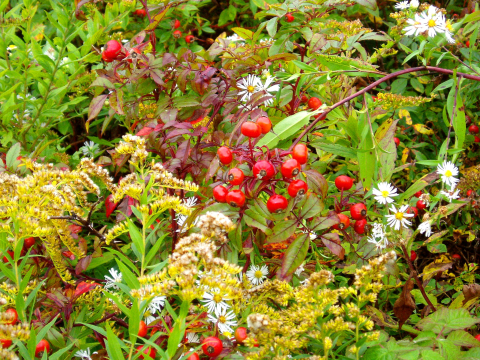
(250,88)
(449,26)
(222,319)
(258,274)
(399,216)
(448,173)
(432,23)
(385,194)
(217,298)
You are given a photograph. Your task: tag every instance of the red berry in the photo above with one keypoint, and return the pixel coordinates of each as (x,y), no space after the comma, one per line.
(418,194)
(300,153)
(421,205)
(397,141)
(225,155)
(251,129)
(414,210)
(297,188)
(413,255)
(304,99)
(456,256)
(477,337)
(42,346)
(212,346)
(189,39)
(235,198)
(29,242)
(142,329)
(358,211)
(467,43)
(176,24)
(241,335)
(193,356)
(106,58)
(277,203)
(235,176)
(290,168)
(344,222)
(5,258)
(473,129)
(220,193)
(265,124)
(12,315)
(140,13)
(469,192)
(263,170)
(289,17)
(343,182)
(150,351)
(177,34)
(359,226)
(112,50)
(314,103)
(476,139)
(5,343)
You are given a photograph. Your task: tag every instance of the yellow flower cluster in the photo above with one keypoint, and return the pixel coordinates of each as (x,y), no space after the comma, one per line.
(20,331)
(345,28)
(9,292)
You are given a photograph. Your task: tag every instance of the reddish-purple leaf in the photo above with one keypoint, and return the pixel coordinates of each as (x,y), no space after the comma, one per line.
(317,182)
(110,206)
(95,106)
(144,132)
(332,242)
(294,256)
(82,264)
(84,287)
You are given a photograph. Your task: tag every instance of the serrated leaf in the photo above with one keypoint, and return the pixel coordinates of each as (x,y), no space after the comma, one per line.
(446,320)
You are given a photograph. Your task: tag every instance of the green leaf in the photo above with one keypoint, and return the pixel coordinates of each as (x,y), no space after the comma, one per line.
(463,338)
(243,33)
(12,155)
(282,231)
(445,320)
(294,256)
(369,4)
(336,149)
(420,184)
(130,279)
(113,344)
(186,101)
(384,137)
(285,128)
(272,26)
(367,161)
(254,219)
(311,207)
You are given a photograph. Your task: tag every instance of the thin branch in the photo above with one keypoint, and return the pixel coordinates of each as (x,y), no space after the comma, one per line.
(84,223)
(373,86)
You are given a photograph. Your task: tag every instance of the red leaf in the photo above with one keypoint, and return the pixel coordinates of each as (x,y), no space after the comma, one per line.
(84,287)
(95,106)
(332,242)
(69,255)
(145,131)
(110,206)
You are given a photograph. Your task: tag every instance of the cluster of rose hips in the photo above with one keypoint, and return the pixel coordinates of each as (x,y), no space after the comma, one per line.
(473,129)
(263,171)
(177,34)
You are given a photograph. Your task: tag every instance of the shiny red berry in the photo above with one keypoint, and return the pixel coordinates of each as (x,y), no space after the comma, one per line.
(224,155)
(42,346)
(250,129)
(473,129)
(343,182)
(344,222)
(477,337)
(290,168)
(289,17)
(5,343)
(476,139)
(304,99)
(467,43)
(297,188)
(142,329)
(220,193)
(176,24)
(5,258)
(263,170)
(457,256)
(177,34)
(418,194)
(235,198)
(358,211)
(29,242)
(189,39)
(12,316)
(140,13)
(265,124)
(469,192)
(414,210)
(314,103)
(413,255)
(146,350)
(241,334)
(421,205)
(112,50)
(300,153)
(397,141)
(193,356)
(359,226)
(277,203)
(212,346)
(235,176)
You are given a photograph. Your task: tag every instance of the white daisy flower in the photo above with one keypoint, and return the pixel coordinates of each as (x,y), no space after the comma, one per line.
(414,4)
(89,148)
(385,193)
(378,238)
(249,86)
(113,280)
(156,305)
(425,228)
(448,171)
(190,202)
(415,27)
(300,269)
(84,354)
(192,338)
(399,217)
(268,88)
(402,5)
(449,32)
(214,301)
(234,37)
(257,274)
(451,195)
(433,21)
(225,321)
